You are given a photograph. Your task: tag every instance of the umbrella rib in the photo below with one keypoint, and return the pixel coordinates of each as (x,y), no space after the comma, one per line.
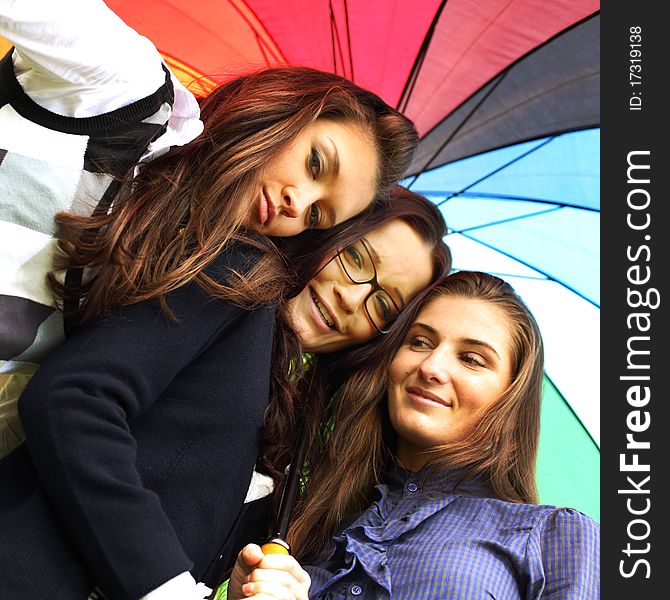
(260,46)
(335,38)
(351,56)
(572,410)
(414,77)
(530,266)
(332,37)
(278,58)
(418,61)
(460,126)
(503,274)
(491,196)
(501,168)
(508,220)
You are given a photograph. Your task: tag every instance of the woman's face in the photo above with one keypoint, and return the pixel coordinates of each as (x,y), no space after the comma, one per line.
(455,361)
(326,176)
(330,313)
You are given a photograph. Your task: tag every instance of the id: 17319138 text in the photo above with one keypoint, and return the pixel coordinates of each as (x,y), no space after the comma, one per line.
(635,67)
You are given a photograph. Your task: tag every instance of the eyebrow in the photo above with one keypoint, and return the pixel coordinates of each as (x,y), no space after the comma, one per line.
(378,261)
(330,215)
(481,343)
(425,326)
(472,341)
(335,156)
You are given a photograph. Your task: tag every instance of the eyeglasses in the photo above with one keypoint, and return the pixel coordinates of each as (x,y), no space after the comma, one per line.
(359,267)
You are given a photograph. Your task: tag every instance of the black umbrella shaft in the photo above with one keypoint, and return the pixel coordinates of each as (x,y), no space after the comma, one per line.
(292,487)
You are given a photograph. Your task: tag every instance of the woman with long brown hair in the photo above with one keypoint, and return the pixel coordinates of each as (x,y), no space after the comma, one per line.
(143,428)
(425,486)
(154,187)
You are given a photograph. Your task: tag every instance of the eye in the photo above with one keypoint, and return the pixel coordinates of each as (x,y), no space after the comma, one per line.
(354,257)
(383,306)
(314,216)
(315,164)
(473,359)
(418,342)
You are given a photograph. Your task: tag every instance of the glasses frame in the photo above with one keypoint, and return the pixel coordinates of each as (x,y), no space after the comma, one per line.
(375,287)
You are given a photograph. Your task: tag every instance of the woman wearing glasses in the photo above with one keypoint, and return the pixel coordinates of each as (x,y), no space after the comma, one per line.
(143,429)
(329,320)
(425,487)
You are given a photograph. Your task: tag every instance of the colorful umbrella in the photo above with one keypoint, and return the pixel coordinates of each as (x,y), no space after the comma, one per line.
(504,94)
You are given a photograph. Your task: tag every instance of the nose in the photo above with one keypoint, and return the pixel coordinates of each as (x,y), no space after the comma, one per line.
(296,200)
(351,296)
(434,368)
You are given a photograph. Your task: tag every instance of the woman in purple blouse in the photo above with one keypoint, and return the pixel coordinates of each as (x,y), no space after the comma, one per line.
(426,488)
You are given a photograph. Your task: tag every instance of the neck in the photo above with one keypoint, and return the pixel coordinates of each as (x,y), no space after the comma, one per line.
(411,457)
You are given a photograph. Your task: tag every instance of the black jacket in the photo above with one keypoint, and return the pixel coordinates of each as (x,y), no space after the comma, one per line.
(143,434)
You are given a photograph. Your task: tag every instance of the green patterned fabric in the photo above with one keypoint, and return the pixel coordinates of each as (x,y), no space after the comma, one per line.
(222,591)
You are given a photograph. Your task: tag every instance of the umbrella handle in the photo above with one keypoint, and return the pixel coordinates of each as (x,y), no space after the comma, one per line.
(276,545)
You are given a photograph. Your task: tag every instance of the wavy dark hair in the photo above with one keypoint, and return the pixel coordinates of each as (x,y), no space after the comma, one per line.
(172,219)
(298,403)
(502,448)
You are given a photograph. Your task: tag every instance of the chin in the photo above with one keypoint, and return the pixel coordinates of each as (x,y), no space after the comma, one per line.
(282,230)
(320,346)
(308,343)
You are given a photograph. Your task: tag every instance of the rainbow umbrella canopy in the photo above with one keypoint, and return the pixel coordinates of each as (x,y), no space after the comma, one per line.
(505,95)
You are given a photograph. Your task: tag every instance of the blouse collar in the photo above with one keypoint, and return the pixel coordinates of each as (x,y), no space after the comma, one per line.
(446,481)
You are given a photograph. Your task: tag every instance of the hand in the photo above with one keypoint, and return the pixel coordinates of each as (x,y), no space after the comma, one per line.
(262,577)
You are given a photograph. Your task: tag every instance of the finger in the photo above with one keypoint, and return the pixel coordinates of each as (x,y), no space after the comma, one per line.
(280,577)
(249,557)
(267,597)
(288,564)
(270,589)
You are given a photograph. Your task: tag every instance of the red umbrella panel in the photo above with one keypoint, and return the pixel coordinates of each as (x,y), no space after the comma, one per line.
(426,57)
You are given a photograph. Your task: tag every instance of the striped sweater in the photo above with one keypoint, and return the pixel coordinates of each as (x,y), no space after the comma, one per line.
(50,162)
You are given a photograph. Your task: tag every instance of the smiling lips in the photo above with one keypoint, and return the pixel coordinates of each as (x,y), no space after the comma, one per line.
(266,209)
(423,395)
(323,311)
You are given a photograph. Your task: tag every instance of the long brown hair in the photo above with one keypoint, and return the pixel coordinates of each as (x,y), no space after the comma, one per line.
(288,406)
(182,208)
(502,448)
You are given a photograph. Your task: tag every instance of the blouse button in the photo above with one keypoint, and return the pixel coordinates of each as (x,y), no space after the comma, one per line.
(412,487)
(357,590)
